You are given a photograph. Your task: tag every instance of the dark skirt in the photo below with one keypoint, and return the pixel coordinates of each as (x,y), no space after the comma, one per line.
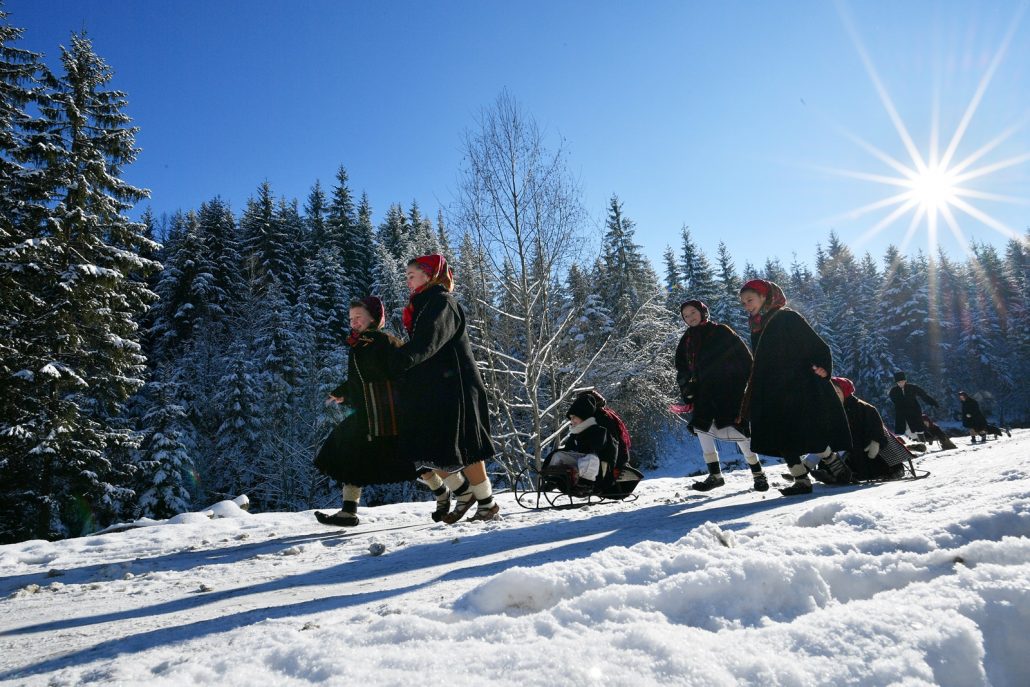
(349,456)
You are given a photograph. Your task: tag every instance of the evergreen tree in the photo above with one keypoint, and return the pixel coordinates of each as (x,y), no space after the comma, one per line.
(267,252)
(217,228)
(316,215)
(673,287)
(630,276)
(165,465)
(81,358)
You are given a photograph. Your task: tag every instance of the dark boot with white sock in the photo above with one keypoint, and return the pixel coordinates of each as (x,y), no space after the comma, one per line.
(486,507)
(802,483)
(440,491)
(714,478)
(757,473)
(347,516)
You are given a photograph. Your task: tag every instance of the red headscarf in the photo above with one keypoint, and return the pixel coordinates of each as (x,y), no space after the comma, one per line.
(774,300)
(439,272)
(846,386)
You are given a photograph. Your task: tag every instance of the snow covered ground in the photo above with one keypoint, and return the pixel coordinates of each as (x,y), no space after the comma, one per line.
(924,582)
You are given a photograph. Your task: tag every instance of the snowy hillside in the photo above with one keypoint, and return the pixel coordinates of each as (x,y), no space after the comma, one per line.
(923,582)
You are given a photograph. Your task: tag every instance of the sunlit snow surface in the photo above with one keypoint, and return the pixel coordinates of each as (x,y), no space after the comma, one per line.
(911,583)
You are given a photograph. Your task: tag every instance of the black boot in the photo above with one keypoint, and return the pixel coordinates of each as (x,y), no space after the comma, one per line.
(761,481)
(347,517)
(711,482)
(802,485)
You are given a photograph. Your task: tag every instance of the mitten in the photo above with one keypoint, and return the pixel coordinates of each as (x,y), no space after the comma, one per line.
(872,449)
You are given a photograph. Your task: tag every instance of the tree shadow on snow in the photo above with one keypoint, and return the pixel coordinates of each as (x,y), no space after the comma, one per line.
(481,553)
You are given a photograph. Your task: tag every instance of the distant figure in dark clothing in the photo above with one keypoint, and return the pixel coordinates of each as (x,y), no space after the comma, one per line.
(935,433)
(973,418)
(908,415)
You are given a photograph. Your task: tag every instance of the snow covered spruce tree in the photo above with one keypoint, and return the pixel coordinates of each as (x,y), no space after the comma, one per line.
(80,357)
(24,246)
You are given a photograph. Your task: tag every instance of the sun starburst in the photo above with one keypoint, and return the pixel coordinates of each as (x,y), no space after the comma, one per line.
(935,186)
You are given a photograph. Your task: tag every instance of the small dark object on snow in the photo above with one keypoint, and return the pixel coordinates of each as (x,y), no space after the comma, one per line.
(376,549)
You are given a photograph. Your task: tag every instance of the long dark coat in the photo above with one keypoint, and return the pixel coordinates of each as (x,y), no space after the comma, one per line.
(444,420)
(715,382)
(352,454)
(792,410)
(906,407)
(972,416)
(866,425)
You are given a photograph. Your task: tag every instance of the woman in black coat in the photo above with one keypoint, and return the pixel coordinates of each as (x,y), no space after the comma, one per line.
(712,368)
(362,449)
(973,418)
(875,452)
(444,420)
(790,401)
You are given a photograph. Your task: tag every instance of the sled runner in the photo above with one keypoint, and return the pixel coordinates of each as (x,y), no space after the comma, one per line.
(557,488)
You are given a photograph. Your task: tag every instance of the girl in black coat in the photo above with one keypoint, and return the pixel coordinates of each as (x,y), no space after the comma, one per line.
(444,421)
(875,452)
(789,401)
(712,367)
(973,418)
(588,447)
(362,449)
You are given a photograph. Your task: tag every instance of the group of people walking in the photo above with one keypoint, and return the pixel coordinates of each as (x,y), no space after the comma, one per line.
(419,408)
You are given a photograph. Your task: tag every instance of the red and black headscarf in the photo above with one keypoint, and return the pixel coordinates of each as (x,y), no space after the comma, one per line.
(846,386)
(439,272)
(375,308)
(697,305)
(774,300)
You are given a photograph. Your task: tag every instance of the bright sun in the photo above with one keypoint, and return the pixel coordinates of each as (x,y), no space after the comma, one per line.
(934,188)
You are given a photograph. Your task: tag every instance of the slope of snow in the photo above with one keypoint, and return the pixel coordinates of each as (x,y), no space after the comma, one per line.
(924,582)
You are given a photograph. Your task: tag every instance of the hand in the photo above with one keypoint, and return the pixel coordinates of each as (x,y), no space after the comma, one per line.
(334,399)
(820,371)
(873,449)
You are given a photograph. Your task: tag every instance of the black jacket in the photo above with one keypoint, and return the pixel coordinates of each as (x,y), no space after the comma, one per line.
(352,454)
(715,382)
(906,407)
(792,410)
(594,439)
(444,418)
(866,426)
(972,416)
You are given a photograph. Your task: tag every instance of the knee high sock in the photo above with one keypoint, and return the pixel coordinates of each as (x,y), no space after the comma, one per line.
(459,486)
(750,456)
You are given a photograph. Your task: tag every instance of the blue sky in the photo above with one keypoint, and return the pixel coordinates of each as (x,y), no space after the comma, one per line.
(725,116)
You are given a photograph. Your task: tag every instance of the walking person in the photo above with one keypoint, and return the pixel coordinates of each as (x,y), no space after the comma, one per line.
(362,450)
(908,415)
(790,400)
(444,420)
(712,368)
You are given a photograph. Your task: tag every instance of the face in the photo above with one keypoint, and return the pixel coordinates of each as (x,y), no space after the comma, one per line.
(901,383)
(573,420)
(416,277)
(691,315)
(752,302)
(360,319)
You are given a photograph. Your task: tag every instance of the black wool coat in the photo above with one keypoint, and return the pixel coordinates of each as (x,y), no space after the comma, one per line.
(715,385)
(907,409)
(792,410)
(972,416)
(352,454)
(594,439)
(444,419)
(866,425)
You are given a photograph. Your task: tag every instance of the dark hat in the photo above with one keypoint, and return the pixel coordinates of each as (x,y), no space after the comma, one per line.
(375,308)
(962,393)
(585,406)
(899,376)
(699,306)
